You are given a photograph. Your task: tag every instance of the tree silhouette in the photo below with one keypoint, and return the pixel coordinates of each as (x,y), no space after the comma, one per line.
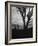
(23,14)
(29,15)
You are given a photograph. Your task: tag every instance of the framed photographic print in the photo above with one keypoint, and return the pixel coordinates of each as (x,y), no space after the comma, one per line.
(20,22)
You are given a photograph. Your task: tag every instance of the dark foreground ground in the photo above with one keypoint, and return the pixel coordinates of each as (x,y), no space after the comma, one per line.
(22,33)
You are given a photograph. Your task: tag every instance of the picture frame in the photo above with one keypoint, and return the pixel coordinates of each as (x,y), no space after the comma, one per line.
(17,9)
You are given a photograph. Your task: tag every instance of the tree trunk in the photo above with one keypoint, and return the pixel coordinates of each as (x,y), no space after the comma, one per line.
(24,21)
(23,17)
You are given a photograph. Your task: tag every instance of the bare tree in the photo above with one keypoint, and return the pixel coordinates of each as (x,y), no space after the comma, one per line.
(23,14)
(29,15)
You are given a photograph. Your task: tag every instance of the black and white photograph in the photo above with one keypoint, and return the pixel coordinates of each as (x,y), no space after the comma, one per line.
(20,22)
